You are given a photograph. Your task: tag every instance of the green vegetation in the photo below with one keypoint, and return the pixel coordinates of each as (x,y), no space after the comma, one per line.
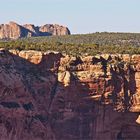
(91,44)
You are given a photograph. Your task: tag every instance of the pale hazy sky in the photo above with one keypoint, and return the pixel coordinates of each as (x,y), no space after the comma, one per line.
(81,16)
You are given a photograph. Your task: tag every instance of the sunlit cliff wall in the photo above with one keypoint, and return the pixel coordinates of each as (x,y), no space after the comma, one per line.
(50,96)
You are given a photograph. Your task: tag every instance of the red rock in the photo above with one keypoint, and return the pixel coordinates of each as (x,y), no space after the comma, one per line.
(15,31)
(42,99)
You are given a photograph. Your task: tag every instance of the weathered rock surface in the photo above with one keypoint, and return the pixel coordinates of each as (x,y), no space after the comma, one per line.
(48,96)
(15,31)
(50,29)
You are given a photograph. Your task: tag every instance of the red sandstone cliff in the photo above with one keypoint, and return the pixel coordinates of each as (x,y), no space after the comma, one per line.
(15,31)
(47,96)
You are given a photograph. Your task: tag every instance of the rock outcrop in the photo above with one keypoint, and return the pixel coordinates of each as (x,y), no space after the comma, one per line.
(15,31)
(48,96)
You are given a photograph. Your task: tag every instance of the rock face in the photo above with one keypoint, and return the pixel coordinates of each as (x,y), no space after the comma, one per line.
(50,29)
(15,31)
(48,96)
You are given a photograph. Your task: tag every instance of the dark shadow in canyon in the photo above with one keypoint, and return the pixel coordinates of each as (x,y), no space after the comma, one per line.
(75,119)
(123,82)
(77,113)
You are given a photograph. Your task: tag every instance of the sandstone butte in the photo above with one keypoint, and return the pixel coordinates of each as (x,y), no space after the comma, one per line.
(15,31)
(50,96)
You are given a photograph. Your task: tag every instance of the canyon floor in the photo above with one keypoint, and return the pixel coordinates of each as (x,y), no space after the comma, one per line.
(50,96)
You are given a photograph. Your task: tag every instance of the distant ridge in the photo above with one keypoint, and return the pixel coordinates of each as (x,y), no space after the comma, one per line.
(13,30)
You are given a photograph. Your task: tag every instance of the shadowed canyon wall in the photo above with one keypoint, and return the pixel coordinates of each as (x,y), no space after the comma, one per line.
(49,96)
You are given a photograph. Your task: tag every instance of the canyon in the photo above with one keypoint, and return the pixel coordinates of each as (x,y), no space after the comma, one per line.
(12,30)
(52,96)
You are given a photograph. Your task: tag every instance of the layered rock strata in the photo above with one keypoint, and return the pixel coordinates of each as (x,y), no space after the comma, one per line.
(49,96)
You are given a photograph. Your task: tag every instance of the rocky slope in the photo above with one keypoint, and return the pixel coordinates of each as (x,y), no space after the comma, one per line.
(49,96)
(15,31)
